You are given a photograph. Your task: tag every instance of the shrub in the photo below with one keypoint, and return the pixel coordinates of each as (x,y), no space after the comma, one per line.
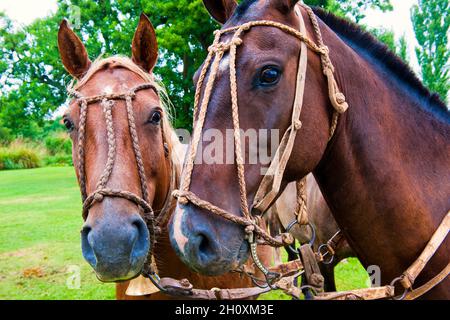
(59,160)
(5,134)
(58,144)
(19,155)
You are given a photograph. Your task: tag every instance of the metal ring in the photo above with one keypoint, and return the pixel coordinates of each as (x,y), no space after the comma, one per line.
(255,282)
(291,225)
(313,231)
(270,281)
(403,296)
(310,225)
(319,251)
(291,247)
(156,281)
(309,287)
(313,237)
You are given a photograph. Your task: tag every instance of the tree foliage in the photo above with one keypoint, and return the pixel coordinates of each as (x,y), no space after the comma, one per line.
(353,9)
(399,47)
(33,81)
(431,21)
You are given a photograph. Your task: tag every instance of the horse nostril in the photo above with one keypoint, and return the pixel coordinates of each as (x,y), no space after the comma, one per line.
(141,241)
(204,243)
(206,248)
(85,231)
(87,246)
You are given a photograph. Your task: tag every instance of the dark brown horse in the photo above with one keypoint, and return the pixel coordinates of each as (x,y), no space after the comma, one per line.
(384,174)
(115,239)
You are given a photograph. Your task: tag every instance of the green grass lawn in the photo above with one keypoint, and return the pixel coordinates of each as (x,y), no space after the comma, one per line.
(40,220)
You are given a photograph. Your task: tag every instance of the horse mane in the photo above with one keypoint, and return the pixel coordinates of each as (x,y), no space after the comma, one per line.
(243,6)
(169,134)
(380,52)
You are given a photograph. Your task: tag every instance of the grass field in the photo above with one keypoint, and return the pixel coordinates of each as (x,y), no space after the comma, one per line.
(40,219)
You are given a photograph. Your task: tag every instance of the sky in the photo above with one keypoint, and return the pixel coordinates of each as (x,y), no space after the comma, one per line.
(398,20)
(25,11)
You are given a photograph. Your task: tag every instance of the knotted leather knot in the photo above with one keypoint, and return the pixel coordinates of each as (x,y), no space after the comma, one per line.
(246,27)
(340,98)
(183,200)
(98,197)
(185,283)
(316,280)
(287,238)
(249,229)
(225,46)
(131,95)
(237,41)
(406,281)
(298,125)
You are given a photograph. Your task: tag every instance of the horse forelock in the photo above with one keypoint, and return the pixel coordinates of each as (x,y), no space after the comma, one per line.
(170,137)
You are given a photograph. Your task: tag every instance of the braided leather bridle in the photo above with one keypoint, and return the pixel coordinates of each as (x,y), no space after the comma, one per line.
(107,102)
(270,185)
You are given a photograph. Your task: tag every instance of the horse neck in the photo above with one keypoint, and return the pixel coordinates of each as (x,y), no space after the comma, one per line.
(385,174)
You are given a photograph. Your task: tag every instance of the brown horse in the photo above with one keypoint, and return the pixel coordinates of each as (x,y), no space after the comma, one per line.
(385,172)
(115,239)
(320,216)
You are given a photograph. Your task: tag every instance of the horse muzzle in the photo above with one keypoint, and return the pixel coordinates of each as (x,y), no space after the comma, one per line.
(201,247)
(116,247)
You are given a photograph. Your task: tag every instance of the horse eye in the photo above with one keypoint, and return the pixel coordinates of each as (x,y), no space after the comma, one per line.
(156,117)
(269,76)
(68,124)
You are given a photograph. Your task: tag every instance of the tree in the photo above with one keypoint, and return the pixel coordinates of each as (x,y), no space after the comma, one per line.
(33,80)
(431,21)
(399,47)
(353,9)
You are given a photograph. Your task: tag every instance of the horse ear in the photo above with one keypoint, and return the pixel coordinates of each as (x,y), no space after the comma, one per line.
(72,51)
(220,10)
(145,45)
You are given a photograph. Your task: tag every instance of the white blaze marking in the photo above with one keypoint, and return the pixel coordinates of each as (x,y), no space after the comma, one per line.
(180,239)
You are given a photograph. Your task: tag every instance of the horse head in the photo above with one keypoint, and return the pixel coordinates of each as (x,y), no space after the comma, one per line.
(121,150)
(265,61)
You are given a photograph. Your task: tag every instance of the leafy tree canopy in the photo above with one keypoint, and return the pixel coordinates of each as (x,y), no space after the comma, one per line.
(33,81)
(431,21)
